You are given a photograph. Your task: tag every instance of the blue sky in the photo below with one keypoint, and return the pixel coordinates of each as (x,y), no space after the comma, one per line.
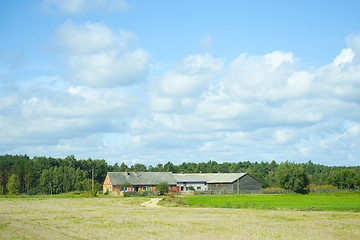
(152,82)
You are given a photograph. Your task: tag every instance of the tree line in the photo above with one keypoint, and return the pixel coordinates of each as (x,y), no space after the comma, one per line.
(47,175)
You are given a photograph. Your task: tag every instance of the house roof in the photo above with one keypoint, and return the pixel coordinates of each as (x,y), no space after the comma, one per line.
(208,177)
(141,178)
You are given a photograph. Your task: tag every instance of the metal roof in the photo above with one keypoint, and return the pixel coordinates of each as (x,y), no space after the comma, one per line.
(193,177)
(208,177)
(226,177)
(141,178)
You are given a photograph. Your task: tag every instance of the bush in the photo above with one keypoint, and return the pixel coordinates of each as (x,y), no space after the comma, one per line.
(34,191)
(163,188)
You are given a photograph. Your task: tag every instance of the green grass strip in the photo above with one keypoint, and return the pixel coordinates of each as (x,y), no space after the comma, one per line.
(340,201)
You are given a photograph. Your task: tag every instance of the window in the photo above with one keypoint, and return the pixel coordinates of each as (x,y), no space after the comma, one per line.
(110,189)
(198,188)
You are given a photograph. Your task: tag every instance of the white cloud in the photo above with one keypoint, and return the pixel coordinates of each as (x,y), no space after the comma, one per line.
(190,78)
(99,57)
(277,58)
(43,117)
(81,6)
(89,37)
(353,41)
(250,78)
(345,56)
(283,135)
(354,129)
(109,69)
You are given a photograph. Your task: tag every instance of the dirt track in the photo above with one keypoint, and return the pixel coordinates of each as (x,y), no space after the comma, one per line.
(153,203)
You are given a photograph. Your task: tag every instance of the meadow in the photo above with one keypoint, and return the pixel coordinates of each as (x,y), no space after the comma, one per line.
(109,217)
(335,201)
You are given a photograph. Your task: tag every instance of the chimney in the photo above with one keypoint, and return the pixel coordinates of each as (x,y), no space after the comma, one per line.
(126,173)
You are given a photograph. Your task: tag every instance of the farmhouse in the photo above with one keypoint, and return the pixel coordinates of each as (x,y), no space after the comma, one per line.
(211,182)
(135,181)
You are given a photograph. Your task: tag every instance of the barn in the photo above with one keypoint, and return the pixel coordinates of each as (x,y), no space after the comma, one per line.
(234,183)
(218,182)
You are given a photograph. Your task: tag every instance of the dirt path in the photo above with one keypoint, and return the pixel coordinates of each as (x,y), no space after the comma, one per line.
(153,203)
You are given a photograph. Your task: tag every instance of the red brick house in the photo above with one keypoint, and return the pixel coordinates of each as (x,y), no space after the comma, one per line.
(138,181)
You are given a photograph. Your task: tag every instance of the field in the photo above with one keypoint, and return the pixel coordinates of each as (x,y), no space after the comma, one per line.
(337,201)
(64,217)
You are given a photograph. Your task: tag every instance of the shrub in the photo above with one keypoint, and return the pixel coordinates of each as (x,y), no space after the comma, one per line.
(34,191)
(162,187)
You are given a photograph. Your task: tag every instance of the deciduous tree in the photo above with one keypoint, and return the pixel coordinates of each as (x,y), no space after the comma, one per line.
(294,179)
(13,185)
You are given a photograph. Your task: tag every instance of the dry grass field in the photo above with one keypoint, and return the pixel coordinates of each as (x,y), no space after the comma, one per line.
(126,218)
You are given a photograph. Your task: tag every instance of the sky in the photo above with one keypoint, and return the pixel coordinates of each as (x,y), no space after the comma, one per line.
(181,81)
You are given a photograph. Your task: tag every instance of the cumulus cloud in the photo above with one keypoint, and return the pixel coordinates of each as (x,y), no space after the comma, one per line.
(353,41)
(253,108)
(99,57)
(261,108)
(82,6)
(191,77)
(40,116)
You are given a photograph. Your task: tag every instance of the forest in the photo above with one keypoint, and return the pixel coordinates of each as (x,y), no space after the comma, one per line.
(20,174)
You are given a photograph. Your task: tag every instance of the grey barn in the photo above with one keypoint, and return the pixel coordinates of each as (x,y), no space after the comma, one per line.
(218,182)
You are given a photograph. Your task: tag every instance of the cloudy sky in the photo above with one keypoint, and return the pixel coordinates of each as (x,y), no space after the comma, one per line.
(157,81)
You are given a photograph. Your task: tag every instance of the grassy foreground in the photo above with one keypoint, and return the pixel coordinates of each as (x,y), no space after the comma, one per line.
(114,218)
(339,201)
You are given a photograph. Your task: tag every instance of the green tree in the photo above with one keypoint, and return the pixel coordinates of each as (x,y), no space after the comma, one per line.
(13,185)
(162,187)
(46,182)
(345,179)
(139,167)
(169,167)
(5,166)
(294,179)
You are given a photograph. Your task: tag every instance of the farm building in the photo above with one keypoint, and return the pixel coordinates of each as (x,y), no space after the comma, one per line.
(234,183)
(196,180)
(135,181)
(210,182)
(218,182)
